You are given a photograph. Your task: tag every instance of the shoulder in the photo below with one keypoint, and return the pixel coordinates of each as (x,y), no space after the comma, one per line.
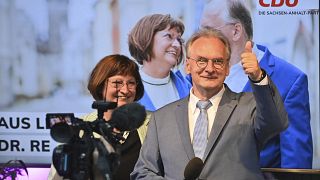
(284,66)
(179,78)
(172,106)
(279,63)
(177,74)
(231,95)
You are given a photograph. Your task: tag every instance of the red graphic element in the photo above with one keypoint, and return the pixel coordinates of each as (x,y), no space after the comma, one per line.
(274,3)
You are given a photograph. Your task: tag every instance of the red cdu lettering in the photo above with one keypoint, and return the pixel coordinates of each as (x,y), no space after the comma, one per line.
(275,3)
(295,2)
(263,4)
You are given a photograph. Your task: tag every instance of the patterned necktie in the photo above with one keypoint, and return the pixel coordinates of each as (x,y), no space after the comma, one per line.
(200,134)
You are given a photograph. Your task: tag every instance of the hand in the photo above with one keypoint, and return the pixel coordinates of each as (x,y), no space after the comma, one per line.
(250,63)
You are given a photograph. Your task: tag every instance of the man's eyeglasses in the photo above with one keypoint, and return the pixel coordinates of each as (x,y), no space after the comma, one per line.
(202,62)
(119,84)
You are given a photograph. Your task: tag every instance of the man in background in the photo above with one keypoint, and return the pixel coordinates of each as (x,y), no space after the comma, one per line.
(293,147)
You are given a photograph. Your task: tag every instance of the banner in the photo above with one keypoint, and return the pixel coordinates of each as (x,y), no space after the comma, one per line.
(48,48)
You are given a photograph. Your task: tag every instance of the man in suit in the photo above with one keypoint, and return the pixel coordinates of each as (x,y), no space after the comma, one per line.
(293,147)
(238,124)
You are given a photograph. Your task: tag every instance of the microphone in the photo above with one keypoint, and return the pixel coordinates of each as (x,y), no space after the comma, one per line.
(193,169)
(128,117)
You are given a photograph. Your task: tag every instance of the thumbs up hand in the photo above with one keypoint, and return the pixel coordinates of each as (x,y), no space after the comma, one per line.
(250,63)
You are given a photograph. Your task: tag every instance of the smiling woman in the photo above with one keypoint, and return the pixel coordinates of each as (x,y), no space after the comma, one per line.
(156,43)
(116,78)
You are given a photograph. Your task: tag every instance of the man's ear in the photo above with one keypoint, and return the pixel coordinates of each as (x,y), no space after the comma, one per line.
(237,31)
(187,67)
(228,69)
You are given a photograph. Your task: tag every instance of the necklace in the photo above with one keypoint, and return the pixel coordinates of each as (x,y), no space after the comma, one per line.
(156,84)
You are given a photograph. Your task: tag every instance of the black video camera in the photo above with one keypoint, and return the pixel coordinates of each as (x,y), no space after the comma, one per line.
(74,158)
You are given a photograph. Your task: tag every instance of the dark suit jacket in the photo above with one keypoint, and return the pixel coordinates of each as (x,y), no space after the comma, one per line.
(242,125)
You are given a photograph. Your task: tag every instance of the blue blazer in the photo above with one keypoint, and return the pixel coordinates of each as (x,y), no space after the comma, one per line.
(183,86)
(293,147)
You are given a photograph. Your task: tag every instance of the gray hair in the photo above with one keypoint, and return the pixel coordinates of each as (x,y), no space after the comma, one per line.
(208,32)
(237,11)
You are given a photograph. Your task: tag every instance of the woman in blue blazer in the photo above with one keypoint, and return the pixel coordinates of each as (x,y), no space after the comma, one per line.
(156,43)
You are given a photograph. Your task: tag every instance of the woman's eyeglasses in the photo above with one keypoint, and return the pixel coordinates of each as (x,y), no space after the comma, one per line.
(120,84)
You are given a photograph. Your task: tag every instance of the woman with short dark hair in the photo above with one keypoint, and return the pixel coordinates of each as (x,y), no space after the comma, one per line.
(116,78)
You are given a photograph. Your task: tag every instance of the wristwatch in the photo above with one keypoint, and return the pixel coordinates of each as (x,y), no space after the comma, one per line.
(263,75)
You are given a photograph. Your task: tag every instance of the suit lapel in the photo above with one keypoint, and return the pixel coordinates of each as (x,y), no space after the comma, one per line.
(225,109)
(183,126)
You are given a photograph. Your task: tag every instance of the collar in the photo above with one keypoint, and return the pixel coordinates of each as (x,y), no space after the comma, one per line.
(194,99)
(154,81)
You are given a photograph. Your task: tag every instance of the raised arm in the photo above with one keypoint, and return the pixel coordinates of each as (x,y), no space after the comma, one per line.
(270,117)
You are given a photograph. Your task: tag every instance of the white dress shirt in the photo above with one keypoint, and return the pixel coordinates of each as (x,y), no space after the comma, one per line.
(194,112)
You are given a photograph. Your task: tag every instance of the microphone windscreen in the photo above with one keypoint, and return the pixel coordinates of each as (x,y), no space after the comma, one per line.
(128,117)
(193,169)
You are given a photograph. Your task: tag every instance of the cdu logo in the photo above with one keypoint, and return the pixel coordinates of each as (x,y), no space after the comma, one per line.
(278,3)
